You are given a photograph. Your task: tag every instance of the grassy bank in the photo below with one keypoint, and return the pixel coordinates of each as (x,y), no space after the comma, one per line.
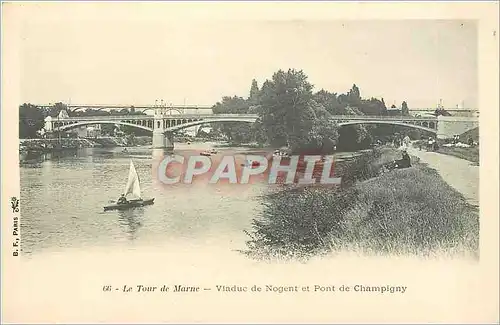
(470,154)
(408,211)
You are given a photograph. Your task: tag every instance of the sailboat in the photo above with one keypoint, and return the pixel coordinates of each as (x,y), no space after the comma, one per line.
(132,188)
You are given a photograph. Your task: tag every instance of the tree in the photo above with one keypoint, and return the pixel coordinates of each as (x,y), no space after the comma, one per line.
(254,93)
(287,114)
(372,106)
(108,129)
(333,104)
(384,108)
(233,131)
(354,96)
(404,108)
(323,135)
(31,120)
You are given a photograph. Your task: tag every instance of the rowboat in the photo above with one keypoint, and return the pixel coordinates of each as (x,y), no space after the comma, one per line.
(132,188)
(208,152)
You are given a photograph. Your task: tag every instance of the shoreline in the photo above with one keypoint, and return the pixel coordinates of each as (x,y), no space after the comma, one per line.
(405,212)
(52,145)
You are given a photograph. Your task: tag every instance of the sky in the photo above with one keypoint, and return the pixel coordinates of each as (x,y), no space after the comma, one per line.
(90,57)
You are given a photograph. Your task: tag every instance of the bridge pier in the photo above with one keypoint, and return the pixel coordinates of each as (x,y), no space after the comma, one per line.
(169,141)
(158,140)
(163,140)
(448,126)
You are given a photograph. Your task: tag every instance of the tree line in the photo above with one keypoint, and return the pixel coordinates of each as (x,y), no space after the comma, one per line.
(291,114)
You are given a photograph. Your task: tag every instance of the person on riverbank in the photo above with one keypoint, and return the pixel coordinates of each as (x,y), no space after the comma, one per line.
(406,142)
(435,145)
(404,162)
(430,144)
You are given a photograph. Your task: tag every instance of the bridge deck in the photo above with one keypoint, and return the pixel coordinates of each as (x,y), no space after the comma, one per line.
(218,116)
(152,117)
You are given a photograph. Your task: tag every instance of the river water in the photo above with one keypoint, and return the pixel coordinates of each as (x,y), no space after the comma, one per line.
(62,200)
(62,204)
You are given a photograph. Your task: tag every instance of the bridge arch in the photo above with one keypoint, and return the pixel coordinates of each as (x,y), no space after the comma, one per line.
(146,109)
(76,109)
(419,127)
(166,109)
(92,108)
(209,121)
(84,123)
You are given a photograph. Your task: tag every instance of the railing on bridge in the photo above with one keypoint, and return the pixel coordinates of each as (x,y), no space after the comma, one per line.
(189,116)
(152,117)
(127,106)
(141,106)
(383,117)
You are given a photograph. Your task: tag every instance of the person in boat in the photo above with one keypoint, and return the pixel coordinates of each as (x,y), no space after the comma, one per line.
(122,200)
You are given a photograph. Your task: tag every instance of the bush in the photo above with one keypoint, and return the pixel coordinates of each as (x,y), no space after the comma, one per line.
(297,222)
(410,211)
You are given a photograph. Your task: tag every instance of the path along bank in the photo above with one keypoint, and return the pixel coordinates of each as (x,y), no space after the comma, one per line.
(461,174)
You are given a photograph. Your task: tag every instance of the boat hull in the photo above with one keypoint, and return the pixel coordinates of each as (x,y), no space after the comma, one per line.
(131,204)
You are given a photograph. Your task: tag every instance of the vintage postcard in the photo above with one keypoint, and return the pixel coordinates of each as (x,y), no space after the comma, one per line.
(288,162)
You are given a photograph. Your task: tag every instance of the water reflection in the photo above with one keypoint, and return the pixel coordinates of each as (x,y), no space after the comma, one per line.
(131,220)
(158,154)
(33,157)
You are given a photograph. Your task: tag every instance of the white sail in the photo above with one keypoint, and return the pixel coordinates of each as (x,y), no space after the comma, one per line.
(133,187)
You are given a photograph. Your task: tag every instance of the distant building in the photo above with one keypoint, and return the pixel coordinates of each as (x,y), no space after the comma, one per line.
(393,111)
(94,131)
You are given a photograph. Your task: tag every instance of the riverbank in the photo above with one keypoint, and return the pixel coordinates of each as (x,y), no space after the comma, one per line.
(410,211)
(54,145)
(51,145)
(239,145)
(470,153)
